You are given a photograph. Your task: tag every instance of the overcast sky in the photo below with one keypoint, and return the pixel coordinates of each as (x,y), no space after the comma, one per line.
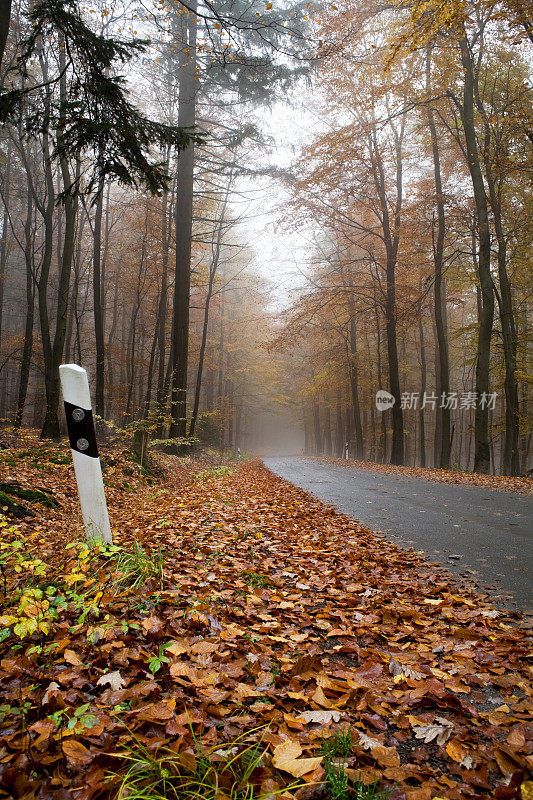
(282,254)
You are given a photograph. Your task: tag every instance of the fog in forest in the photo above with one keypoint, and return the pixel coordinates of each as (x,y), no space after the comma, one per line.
(252,221)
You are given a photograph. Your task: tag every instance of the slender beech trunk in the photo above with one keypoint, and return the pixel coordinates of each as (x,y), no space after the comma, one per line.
(112,331)
(481,431)
(27,350)
(3,243)
(98,303)
(354,385)
(319,443)
(339,429)
(53,349)
(5,16)
(383,436)
(183,223)
(423,386)
(307,435)
(442,456)
(132,342)
(151,365)
(162,310)
(328,446)
(205,326)
(391,235)
(510,457)
(50,428)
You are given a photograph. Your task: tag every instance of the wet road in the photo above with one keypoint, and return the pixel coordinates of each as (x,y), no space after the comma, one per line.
(490,533)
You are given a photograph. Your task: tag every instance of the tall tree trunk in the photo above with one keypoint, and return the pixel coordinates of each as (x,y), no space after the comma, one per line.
(162,310)
(112,330)
(212,274)
(307,435)
(354,385)
(511,459)
(383,436)
(391,236)
(397,450)
(319,443)
(442,457)
(132,341)
(327,430)
(481,432)
(5,225)
(27,350)
(151,365)
(339,429)
(53,351)
(5,16)
(98,303)
(51,422)
(183,224)
(423,386)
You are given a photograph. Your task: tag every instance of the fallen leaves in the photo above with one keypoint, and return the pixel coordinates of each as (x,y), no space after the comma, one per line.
(76,752)
(286,757)
(503,483)
(278,621)
(439,733)
(112,679)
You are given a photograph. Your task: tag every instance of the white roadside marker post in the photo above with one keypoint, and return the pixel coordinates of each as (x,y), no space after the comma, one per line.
(346,451)
(87,467)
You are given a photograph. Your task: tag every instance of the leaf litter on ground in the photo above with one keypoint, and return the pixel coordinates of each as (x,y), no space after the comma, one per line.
(521,484)
(344,635)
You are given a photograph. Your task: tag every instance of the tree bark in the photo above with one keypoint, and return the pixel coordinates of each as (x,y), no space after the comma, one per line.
(442,457)
(510,457)
(328,446)
(5,224)
(319,443)
(183,224)
(27,350)
(161,397)
(5,17)
(98,303)
(354,386)
(205,326)
(481,424)
(423,386)
(53,350)
(339,429)
(391,237)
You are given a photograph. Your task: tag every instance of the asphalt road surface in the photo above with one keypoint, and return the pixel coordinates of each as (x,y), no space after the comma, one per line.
(490,533)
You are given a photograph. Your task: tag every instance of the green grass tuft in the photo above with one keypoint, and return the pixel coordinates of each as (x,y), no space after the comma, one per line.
(335,751)
(136,566)
(203,774)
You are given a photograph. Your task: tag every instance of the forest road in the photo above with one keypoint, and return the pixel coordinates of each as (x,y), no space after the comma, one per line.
(490,533)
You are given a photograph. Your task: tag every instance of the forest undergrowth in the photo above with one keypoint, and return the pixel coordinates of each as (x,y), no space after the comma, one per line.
(243,640)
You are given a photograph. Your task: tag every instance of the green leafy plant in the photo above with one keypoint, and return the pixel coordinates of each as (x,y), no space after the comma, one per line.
(74,719)
(155,662)
(256,579)
(38,595)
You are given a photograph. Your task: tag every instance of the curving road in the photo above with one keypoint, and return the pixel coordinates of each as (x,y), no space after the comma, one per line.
(480,535)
